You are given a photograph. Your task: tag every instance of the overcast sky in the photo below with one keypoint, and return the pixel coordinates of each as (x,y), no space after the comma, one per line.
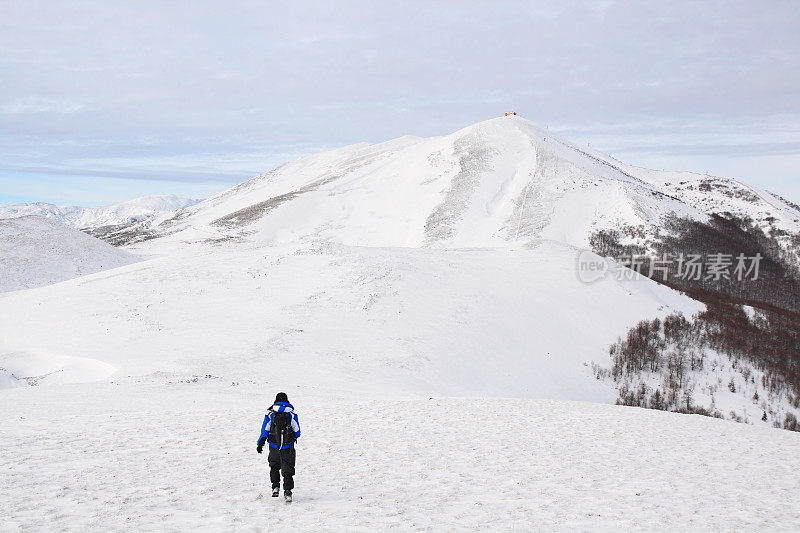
(105,101)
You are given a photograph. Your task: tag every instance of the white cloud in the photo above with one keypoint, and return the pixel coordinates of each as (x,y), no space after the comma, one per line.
(39,104)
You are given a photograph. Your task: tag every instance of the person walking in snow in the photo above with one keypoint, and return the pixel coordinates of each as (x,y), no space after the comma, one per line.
(280,430)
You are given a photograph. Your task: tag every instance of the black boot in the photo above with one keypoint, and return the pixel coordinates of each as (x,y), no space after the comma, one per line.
(275,491)
(287,495)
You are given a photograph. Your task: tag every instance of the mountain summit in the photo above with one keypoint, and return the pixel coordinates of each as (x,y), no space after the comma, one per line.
(502,182)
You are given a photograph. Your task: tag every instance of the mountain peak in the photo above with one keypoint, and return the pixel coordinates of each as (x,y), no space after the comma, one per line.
(501,182)
(505,125)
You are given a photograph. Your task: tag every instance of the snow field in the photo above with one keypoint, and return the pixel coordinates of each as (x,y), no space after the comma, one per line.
(182,457)
(387,321)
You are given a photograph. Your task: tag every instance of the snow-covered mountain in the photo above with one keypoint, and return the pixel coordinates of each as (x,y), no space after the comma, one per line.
(36,251)
(511,189)
(503,182)
(90,218)
(383,285)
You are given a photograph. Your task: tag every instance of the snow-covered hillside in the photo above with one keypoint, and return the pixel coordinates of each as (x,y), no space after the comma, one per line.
(36,251)
(361,264)
(88,218)
(400,321)
(502,182)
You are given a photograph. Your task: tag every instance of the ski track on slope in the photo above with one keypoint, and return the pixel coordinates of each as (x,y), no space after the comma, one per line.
(187,461)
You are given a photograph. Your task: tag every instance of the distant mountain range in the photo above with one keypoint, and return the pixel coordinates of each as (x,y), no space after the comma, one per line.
(91,218)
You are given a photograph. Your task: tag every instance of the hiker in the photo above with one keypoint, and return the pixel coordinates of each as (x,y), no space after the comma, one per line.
(280,430)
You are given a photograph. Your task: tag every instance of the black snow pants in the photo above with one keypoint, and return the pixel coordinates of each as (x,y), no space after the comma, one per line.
(282,461)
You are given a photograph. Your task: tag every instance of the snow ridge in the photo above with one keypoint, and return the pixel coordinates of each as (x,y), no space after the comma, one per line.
(89,218)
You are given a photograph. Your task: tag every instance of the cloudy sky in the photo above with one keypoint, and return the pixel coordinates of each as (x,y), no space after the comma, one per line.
(105,101)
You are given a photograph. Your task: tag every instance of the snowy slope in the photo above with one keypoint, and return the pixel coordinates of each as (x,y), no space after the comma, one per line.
(775,215)
(147,458)
(380,321)
(96,217)
(36,251)
(502,182)
(713,194)
(374,240)
(366,282)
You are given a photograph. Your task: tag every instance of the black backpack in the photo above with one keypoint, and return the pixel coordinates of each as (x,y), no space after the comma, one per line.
(280,430)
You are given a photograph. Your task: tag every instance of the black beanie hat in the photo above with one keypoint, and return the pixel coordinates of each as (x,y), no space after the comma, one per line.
(281,397)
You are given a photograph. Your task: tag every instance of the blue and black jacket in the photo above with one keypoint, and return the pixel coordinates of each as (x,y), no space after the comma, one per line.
(279,407)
